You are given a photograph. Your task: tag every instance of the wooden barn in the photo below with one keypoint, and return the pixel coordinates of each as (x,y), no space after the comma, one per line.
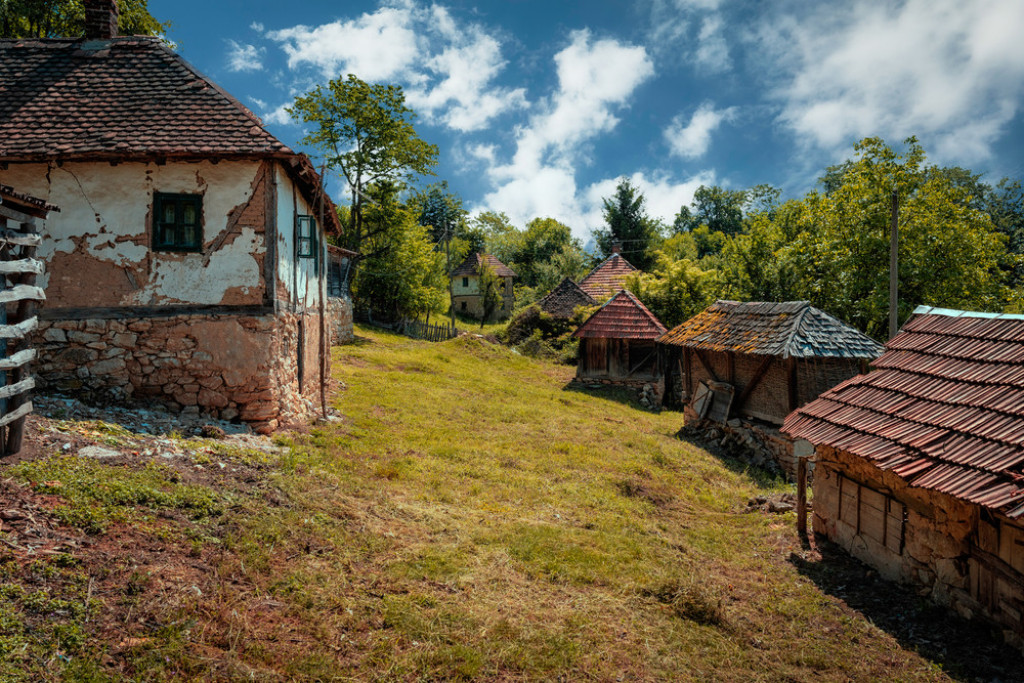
(919,466)
(617,343)
(561,303)
(759,360)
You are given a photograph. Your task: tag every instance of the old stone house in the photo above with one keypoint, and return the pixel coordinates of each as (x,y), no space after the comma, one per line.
(466,297)
(617,344)
(919,466)
(608,277)
(187,265)
(761,360)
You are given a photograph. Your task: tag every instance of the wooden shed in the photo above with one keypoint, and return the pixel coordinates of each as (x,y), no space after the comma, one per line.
(920,464)
(760,359)
(617,343)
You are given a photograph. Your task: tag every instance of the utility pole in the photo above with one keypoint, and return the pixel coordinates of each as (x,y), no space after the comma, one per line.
(894,245)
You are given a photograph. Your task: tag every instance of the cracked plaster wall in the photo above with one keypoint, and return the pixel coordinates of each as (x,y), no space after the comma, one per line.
(97,247)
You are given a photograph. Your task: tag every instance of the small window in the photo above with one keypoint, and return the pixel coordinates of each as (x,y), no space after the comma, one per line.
(465,282)
(177,223)
(306,243)
(463,305)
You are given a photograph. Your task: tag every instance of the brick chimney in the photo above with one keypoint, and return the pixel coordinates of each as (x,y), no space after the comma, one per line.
(100,19)
(616,247)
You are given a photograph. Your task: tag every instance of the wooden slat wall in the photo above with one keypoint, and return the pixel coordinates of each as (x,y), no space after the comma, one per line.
(19,238)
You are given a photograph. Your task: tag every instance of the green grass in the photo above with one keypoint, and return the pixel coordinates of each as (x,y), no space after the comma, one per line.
(469,518)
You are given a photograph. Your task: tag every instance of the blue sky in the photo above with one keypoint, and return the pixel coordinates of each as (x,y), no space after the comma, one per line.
(540,107)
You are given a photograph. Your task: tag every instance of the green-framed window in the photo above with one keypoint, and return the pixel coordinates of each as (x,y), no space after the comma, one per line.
(307,245)
(177,222)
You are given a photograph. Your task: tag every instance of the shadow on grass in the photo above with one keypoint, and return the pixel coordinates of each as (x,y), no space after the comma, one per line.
(733,460)
(358,341)
(966,650)
(608,392)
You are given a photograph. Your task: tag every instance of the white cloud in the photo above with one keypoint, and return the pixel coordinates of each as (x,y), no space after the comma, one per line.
(242,57)
(949,71)
(692,30)
(691,140)
(376,47)
(278,116)
(712,50)
(446,68)
(663,196)
(256,26)
(595,78)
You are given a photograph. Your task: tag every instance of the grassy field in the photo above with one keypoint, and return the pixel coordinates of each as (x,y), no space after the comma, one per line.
(468,517)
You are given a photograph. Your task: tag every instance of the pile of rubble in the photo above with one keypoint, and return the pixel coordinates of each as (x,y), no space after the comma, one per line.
(733,440)
(649,398)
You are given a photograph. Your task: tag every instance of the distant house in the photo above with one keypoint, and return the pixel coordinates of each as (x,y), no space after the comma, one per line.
(466,297)
(608,277)
(187,265)
(561,303)
(339,303)
(761,359)
(617,344)
(920,464)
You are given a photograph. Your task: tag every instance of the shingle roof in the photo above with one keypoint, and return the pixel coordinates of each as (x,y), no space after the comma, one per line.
(126,98)
(789,329)
(471,266)
(564,299)
(621,317)
(944,408)
(33,206)
(608,277)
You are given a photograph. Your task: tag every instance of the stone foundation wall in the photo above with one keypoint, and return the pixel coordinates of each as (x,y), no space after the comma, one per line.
(649,391)
(761,444)
(229,367)
(339,319)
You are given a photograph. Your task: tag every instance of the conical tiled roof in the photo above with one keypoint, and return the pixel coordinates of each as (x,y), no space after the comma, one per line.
(608,277)
(564,299)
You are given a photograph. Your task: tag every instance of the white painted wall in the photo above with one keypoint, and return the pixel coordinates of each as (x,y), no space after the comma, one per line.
(104,212)
(298,275)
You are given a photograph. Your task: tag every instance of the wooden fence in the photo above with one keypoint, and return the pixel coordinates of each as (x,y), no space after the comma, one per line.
(19,267)
(432,333)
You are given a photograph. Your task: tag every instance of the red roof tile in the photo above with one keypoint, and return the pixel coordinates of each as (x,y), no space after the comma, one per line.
(471,266)
(621,317)
(944,408)
(608,277)
(126,98)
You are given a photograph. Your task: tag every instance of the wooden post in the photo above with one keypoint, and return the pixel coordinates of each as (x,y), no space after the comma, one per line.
(894,284)
(801,496)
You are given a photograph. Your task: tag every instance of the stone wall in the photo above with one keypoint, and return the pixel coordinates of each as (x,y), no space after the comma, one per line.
(339,319)
(649,392)
(958,554)
(227,366)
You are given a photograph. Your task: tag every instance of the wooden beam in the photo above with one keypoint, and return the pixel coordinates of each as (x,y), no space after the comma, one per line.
(19,330)
(17,388)
(801,497)
(18,359)
(21,293)
(762,369)
(167,311)
(25,265)
(16,414)
(9,212)
(20,239)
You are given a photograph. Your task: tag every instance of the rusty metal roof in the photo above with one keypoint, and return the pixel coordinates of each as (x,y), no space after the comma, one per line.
(608,277)
(787,329)
(621,317)
(564,299)
(944,409)
(471,266)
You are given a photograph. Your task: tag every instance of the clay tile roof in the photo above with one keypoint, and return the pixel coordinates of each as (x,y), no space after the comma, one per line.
(608,277)
(622,317)
(471,266)
(943,409)
(564,299)
(791,329)
(125,98)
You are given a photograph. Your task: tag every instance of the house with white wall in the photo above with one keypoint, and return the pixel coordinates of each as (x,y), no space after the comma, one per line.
(188,263)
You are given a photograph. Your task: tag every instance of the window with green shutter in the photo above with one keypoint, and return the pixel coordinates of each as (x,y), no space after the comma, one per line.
(306,243)
(177,222)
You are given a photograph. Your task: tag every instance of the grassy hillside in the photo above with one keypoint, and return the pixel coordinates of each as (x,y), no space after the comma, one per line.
(467,517)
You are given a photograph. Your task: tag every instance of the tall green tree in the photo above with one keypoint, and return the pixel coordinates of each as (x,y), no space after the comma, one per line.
(627,223)
(719,209)
(66,18)
(366,134)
